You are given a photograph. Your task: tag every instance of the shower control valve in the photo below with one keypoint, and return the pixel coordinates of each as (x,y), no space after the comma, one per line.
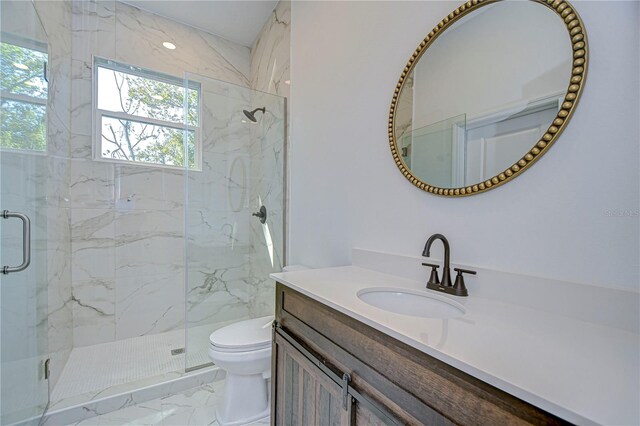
(261,214)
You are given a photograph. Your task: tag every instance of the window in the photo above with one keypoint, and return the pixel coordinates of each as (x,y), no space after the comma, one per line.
(23,94)
(140,116)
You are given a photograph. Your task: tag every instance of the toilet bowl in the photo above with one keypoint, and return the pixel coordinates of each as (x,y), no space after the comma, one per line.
(243,350)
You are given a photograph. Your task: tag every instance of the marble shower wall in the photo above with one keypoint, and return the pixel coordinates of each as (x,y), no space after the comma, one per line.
(114,233)
(125,223)
(127,234)
(267,178)
(218,224)
(270,54)
(270,73)
(56,20)
(228,257)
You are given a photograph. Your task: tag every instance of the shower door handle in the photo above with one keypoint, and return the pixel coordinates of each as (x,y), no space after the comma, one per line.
(26,241)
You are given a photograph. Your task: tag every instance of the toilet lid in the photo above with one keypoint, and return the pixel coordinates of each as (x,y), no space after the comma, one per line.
(244,335)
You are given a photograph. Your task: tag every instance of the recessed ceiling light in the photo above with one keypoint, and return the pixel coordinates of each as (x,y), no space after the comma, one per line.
(287,82)
(169,45)
(244,121)
(20,66)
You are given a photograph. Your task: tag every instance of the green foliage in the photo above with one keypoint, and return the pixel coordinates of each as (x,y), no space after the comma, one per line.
(139,141)
(170,151)
(14,78)
(23,126)
(23,122)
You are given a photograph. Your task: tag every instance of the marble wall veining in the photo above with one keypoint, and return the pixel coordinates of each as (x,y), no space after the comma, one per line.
(267,176)
(270,73)
(128,220)
(56,19)
(270,54)
(115,233)
(218,244)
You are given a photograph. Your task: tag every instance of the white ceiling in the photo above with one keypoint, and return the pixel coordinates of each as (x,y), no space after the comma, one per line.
(239,21)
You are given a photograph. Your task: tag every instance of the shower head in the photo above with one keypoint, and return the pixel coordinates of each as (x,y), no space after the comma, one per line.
(251,115)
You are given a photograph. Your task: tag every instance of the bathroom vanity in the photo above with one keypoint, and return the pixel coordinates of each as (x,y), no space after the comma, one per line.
(339,360)
(393,383)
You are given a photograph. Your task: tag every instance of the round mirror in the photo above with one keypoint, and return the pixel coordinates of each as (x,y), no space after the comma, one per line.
(486,94)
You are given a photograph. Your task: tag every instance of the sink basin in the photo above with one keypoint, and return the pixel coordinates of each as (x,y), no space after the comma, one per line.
(411,302)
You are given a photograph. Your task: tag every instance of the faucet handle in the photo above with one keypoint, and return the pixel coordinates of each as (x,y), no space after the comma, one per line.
(459,289)
(464,271)
(433,279)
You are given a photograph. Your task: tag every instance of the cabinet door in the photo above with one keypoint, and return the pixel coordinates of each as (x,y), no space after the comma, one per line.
(304,394)
(364,416)
(307,392)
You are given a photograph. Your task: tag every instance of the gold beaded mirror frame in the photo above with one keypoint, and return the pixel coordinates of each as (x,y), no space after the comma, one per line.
(579,47)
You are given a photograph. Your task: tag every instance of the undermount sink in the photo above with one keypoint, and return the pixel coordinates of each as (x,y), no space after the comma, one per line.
(411,302)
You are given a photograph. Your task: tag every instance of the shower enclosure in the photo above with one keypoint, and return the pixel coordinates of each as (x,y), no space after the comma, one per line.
(155,205)
(230,252)
(26,201)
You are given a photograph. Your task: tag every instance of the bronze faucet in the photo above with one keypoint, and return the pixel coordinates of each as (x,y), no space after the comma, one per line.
(446,275)
(457,289)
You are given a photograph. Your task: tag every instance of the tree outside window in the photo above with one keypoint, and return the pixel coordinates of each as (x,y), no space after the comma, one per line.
(141,116)
(23,97)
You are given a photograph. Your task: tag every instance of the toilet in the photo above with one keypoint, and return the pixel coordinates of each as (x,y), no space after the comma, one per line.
(243,350)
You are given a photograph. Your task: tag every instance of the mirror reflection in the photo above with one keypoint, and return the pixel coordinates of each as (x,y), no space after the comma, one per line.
(483,93)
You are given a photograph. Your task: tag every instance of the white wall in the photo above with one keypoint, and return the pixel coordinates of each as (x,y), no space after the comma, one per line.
(552,221)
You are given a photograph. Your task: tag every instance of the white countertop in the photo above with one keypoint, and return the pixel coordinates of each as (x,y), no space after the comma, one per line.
(581,371)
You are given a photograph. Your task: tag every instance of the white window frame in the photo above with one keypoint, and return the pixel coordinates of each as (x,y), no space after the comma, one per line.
(41,47)
(98,113)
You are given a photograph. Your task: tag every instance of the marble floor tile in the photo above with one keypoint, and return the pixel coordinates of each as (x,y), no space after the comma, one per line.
(194,407)
(146,413)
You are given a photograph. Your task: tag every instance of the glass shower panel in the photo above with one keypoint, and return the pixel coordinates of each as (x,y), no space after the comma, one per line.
(267,148)
(436,151)
(24,166)
(229,250)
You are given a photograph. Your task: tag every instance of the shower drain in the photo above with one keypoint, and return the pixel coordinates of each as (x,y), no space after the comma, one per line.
(177,351)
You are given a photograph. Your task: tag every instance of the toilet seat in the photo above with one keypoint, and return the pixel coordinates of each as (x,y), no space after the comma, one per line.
(238,350)
(244,336)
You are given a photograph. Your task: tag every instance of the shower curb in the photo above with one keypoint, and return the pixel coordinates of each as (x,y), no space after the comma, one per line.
(95,407)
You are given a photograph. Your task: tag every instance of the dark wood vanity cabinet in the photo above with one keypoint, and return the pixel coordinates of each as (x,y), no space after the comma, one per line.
(330,369)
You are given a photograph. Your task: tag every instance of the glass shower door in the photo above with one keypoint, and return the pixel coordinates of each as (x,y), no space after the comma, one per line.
(23,225)
(234,209)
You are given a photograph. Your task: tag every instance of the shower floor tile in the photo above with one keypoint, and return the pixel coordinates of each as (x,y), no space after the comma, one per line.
(94,371)
(194,407)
